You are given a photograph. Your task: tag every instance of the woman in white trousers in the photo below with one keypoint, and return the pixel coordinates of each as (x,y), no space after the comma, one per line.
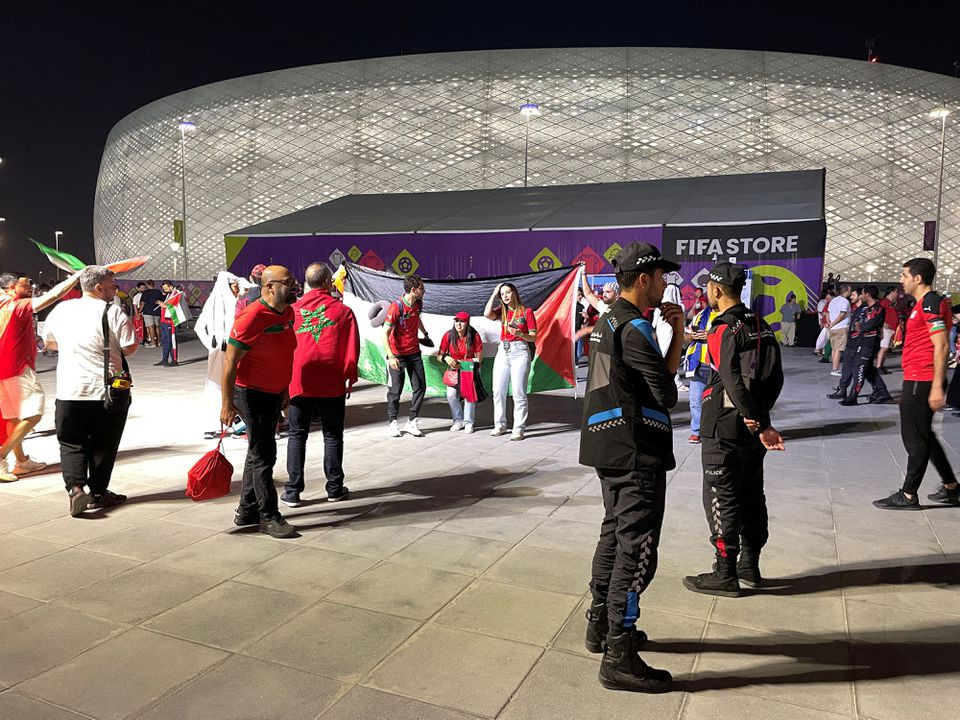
(511,366)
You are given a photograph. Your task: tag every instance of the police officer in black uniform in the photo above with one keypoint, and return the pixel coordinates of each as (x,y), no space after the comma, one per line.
(863,344)
(627,436)
(735,431)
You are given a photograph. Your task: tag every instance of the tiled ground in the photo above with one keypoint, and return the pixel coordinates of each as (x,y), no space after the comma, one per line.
(453,583)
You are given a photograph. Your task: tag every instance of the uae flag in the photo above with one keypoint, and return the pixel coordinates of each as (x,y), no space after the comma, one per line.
(551,294)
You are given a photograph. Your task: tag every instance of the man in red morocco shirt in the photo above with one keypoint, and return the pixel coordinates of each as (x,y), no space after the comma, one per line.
(21,395)
(257,371)
(324,370)
(924,371)
(401,338)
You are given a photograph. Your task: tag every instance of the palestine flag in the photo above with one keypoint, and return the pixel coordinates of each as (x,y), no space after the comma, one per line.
(172,311)
(551,294)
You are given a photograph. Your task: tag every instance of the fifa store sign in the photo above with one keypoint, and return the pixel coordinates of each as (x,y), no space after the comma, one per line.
(738,247)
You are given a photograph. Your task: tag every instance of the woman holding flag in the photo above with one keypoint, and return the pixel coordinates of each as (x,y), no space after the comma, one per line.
(511,366)
(462,344)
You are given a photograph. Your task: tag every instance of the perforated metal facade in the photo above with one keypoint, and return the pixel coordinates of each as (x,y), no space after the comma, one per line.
(270,144)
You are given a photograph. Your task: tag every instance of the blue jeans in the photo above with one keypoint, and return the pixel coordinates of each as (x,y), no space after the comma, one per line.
(953,339)
(166,340)
(697,385)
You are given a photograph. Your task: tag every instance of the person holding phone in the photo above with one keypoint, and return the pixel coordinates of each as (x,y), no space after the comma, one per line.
(511,366)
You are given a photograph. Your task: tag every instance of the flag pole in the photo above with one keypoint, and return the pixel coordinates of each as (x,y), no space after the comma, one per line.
(573,328)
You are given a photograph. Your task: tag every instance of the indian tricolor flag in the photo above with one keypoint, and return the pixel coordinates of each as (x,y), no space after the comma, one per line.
(552,294)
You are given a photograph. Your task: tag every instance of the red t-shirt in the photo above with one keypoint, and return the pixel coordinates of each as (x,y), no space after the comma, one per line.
(522,319)
(18,349)
(328,346)
(267,336)
(458,350)
(405,321)
(890,318)
(929,317)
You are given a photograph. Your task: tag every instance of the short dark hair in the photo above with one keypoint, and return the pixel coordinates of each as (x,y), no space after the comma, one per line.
(628,279)
(871,290)
(890,289)
(729,290)
(844,287)
(8,280)
(412,281)
(150,283)
(141,284)
(167,282)
(923,267)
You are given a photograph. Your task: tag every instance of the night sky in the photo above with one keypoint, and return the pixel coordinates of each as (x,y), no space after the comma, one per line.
(69,73)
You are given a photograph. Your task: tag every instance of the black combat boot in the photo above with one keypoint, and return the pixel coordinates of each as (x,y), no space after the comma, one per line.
(623,669)
(722,581)
(849,400)
(597,628)
(748,568)
(839,393)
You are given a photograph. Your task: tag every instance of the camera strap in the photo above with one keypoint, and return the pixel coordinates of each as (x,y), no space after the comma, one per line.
(107,380)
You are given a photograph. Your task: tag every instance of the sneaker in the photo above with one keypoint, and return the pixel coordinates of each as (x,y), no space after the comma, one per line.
(836,373)
(412,427)
(694,439)
(498,431)
(108,499)
(457,426)
(28,466)
(898,501)
(277,527)
(468,428)
(342,495)
(5,474)
(78,501)
(722,581)
(517,435)
(682,388)
(824,360)
(945,496)
(290,500)
(394,430)
(849,400)
(242,519)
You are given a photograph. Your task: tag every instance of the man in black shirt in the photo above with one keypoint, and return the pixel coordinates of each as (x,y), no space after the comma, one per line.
(627,436)
(149,306)
(736,433)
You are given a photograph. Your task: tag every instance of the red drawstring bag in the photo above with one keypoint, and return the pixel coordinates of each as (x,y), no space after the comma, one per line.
(210,477)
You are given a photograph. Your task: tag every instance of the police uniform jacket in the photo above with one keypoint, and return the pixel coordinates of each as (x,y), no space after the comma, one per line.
(626,420)
(867,323)
(747,376)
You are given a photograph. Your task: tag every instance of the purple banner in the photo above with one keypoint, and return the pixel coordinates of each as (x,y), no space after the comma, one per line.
(447,255)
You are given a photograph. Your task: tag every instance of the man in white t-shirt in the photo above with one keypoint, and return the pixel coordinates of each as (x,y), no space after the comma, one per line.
(839,319)
(89,422)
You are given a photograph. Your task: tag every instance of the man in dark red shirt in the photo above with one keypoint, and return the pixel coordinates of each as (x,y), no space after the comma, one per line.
(925,355)
(401,338)
(257,371)
(21,396)
(891,321)
(324,369)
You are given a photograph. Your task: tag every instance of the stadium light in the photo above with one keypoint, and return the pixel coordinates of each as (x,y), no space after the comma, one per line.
(186,127)
(941,114)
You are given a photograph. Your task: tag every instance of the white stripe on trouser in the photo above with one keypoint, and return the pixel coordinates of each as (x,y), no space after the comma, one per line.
(511,368)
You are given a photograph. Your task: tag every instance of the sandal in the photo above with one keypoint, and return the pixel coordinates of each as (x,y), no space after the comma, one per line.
(108,499)
(79,501)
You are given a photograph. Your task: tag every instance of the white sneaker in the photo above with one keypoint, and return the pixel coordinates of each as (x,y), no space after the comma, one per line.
(498,431)
(412,427)
(468,428)
(28,466)
(682,388)
(394,429)
(457,425)
(5,474)
(516,435)
(836,373)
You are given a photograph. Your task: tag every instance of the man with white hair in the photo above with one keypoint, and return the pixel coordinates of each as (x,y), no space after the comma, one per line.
(92,336)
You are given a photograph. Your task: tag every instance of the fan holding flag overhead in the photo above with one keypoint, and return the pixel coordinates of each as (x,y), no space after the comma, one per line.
(71,263)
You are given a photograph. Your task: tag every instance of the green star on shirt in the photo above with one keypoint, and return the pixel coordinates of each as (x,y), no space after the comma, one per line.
(314,322)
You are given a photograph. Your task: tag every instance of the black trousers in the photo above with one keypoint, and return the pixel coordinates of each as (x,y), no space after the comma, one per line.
(89,436)
(413,366)
(859,366)
(733,498)
(260,412)
(916,431)
(299,415)
(625,560)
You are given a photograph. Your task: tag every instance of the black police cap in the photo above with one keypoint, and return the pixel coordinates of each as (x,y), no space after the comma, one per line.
(727,273)
(640,257)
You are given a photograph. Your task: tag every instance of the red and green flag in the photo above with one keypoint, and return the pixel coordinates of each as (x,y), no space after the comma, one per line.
(550,293)
(71,263)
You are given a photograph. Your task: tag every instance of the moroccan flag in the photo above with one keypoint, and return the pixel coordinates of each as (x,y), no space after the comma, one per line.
(551,294)
(172,312)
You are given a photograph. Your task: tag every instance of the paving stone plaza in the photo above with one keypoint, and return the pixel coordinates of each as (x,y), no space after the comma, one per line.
(453,582)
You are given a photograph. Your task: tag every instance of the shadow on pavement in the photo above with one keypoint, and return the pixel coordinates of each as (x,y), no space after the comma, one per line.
(839,428)
(919,570)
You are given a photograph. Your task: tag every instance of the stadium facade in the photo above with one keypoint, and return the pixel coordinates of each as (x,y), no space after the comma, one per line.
(270,144)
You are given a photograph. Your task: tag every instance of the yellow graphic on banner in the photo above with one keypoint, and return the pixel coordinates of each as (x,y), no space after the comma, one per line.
(612,252)
(405,263)
(355,253)
(545,260)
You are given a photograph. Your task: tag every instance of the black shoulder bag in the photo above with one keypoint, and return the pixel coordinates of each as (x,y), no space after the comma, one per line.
(117,384)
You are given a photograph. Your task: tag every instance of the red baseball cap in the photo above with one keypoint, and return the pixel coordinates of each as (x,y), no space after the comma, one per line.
(465,316)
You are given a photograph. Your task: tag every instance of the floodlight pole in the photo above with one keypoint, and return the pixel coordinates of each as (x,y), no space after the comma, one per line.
(936,236)
(183,199)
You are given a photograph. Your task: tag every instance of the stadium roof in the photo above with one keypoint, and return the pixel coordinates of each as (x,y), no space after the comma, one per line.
(711,200)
